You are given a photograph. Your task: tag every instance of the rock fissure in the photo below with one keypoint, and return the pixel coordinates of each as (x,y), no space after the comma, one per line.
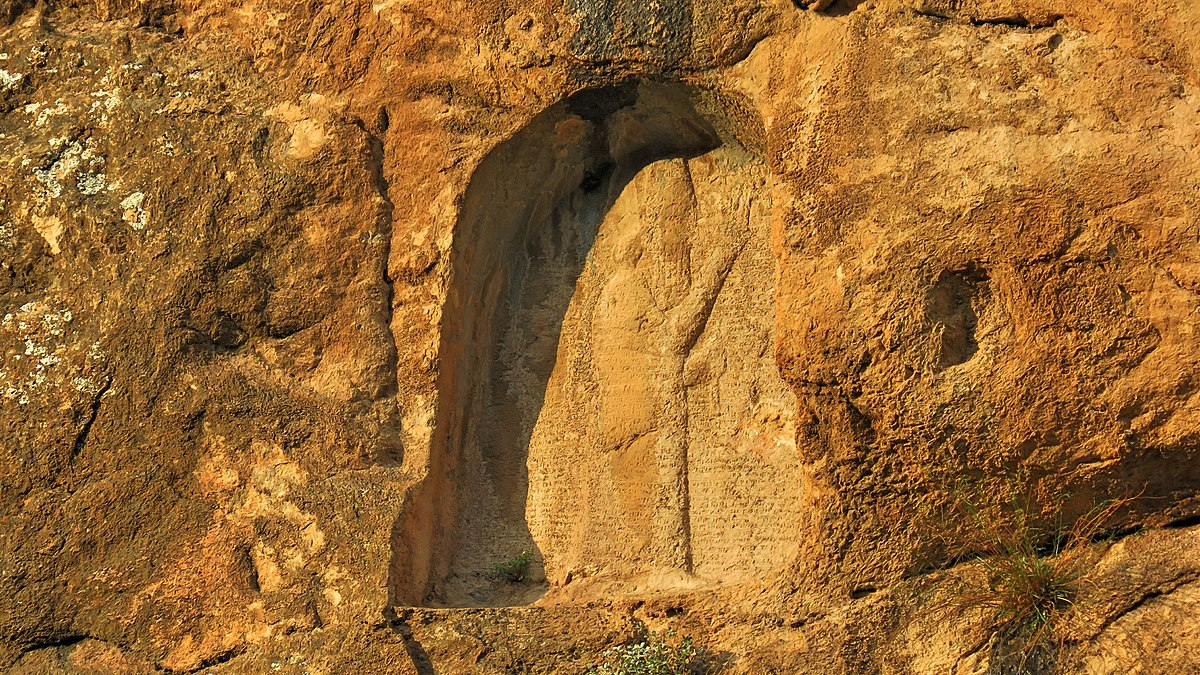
(378,165)
(93,411)
(220,658)
(1017,21)
(1163,589)
(55,642)
(1013,21)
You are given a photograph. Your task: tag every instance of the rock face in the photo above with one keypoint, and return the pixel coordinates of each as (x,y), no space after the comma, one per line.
(314,314)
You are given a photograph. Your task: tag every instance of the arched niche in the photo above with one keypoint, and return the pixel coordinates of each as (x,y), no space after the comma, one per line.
(608,396)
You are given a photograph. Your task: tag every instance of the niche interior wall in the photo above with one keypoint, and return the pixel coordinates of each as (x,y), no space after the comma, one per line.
(609,398)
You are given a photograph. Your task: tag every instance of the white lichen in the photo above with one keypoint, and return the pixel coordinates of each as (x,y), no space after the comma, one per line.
(110,100)
(40,328)
(55,322)
(10,80)
(134,212)
(48,178)
(91,183)
(88,385)
(63,166)
(69,161)
(45,114)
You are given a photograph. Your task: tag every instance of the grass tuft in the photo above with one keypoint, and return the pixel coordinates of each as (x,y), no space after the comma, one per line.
(1031,578)
(514,570)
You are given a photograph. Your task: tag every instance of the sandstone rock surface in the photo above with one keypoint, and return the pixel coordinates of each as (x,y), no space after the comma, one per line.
(314,313)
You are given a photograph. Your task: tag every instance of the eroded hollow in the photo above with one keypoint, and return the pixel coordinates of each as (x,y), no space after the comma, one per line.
(952,305)
(609,402)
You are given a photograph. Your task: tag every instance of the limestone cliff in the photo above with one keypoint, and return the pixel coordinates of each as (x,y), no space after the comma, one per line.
(721,312)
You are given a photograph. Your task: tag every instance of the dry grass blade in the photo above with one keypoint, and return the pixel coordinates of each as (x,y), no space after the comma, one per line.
(1031,576)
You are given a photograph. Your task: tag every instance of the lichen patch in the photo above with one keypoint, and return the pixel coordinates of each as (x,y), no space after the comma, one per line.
(133,211)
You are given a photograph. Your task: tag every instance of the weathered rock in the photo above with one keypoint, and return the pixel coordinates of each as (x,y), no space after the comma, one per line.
(315,313)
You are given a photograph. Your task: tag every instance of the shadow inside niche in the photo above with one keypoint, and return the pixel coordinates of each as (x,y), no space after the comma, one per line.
(530,218)
(843,7)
